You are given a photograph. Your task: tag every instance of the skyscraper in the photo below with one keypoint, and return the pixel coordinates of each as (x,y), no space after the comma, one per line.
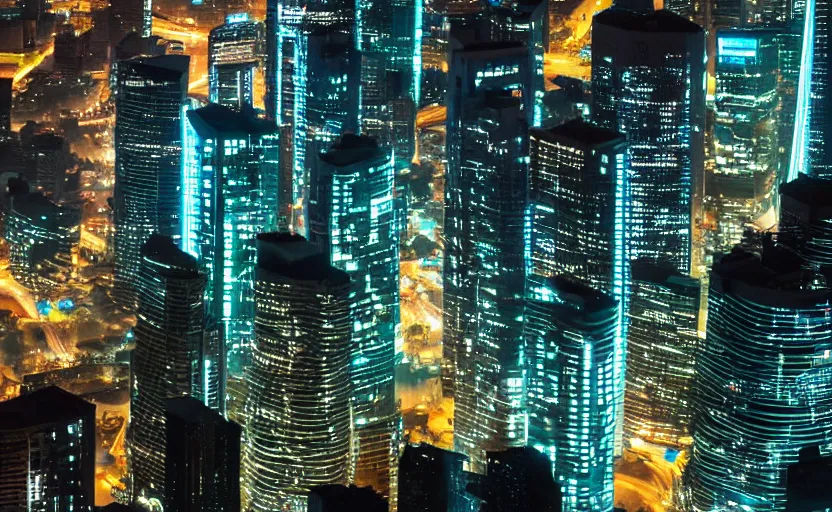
(235,84)
(231,186)
(648,82)
(432,480)
(202,458)
(579,208)
(519,479)
(662,345)
(150,96)
(168,359)
(298,413)
(135,16)
(485,209)
(745,134)
(239,41)
(5,104)
(762,379)
(475,69)
(572,405)
(354,221)
(47,452)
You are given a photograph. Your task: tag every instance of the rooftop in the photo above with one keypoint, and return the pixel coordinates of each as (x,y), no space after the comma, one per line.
(663,273)
(294,257)
(217,121)
(43,407)
(351,149)
(646,20)
(582,132)
(580,296)
(809,191)
(191,410)
(161,249)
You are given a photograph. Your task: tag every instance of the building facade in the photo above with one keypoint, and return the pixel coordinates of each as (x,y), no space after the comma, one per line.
(298,410)
(239,41)
(354,221)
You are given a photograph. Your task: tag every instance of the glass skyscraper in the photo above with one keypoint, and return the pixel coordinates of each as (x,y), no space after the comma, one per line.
(662,346)
(485,200)
(231,186)
(745,132)
(648,82)
(298,414)
(239,41)
(150,101)
(762,387)
(354,221)
(570,339)
(805,218)
(476,67)
(168,359)
(578,215)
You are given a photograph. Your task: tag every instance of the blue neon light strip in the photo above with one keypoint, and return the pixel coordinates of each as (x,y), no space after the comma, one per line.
(800,140)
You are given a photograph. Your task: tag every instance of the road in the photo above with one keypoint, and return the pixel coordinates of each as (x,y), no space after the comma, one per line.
(565,64)
(644,478)
(196,46)
(431,115)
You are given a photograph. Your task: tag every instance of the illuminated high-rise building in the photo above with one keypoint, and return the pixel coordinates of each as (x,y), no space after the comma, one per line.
(474,69)
(134,15)
(432,480)
(298,411)
(239,41)
(570,337)
(745,133)
(662,345)
(150,100)
(485,205)
(202,458)
(168,359)
(47,452)
(289,68)
(762,389)
(656,99)
(231,186)
(578,192)
(354,221)
(5,105)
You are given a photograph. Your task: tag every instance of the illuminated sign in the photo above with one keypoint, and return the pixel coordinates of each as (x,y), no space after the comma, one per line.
(737,47)
(236,18)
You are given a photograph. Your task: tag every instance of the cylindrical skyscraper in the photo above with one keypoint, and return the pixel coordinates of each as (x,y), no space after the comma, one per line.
(298,419)
(763,386)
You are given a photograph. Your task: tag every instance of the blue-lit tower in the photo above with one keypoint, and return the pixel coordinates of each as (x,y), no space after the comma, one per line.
(570,338)
(474,68)
(762,386)
(150,101)
(230,195)
(485,211)
(648,82)
(745,132)
(353,219)
(578,219)
(239,42)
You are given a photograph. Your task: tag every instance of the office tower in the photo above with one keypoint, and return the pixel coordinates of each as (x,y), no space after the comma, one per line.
(48,158)
(474,68)
(656,99)
(202,458)
(432,480)
(694,10)
(354,221)
(579,196)
(298,411)
(340,498)
(519,479)
(5,104)
(485,202)
(572,405)
(662,345)
(239,41)
(762,379)
(135,15)
(389,36)
(235,85)
(805,218)
(807,481)
(47,452)
(41,235)
(289,67)
(224,211)
(788,42)
(745,133)
(150,96)
(168,359)
(435,32)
